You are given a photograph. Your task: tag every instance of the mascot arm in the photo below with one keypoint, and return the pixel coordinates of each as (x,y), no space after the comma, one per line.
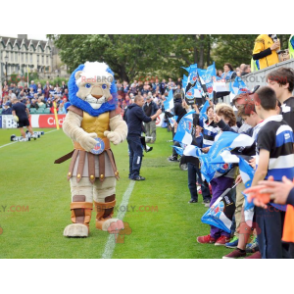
(119,130)
(72,128)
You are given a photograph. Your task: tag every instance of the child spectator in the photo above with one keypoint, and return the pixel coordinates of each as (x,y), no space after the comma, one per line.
(281,81)
(274,158)
(219,184)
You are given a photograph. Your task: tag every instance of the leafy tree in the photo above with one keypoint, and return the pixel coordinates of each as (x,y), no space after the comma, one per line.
(138,56)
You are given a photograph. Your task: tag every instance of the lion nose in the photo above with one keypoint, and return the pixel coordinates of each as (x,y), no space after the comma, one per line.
(96,96)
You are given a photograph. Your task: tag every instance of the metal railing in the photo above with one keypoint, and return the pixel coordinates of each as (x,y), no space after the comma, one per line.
(259,77)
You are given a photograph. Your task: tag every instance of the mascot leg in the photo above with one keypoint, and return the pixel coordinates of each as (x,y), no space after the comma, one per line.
(104,201)
(81,208)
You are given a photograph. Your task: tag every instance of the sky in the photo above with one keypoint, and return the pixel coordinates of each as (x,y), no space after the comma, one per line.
(30,36)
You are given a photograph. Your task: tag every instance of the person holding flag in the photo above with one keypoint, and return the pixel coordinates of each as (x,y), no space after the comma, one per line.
(222,180)
(180,112)
(206,122)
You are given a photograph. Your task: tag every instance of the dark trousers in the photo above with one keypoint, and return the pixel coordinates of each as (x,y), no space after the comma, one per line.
(136,153)
(194,175)
(269,229)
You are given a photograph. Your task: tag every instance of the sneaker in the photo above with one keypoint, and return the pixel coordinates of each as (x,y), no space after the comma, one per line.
(252,247)
(139,178)
(235,254)
(233,243)
(206,239)
(222,240)
(256,255)
(24,139)
(148,149)
(193,201)
(173,159)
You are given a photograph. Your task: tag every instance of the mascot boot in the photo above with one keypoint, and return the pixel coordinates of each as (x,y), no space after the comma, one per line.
(92,122)
(81,209)
(104,205)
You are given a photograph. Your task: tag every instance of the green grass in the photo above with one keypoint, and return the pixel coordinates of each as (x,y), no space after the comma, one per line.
(30,179)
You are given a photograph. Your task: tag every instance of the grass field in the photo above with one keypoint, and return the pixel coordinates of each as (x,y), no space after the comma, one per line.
(35,198)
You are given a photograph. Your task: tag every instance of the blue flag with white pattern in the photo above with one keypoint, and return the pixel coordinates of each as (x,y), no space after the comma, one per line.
(184,129)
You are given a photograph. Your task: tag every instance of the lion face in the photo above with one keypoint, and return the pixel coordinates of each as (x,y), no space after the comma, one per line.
(94,84)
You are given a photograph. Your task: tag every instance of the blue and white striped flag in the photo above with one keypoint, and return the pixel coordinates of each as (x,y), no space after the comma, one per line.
(169,103)
(238,87)
(216,162)
(184,129)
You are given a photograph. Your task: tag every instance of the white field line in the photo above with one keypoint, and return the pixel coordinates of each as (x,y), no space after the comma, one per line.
(17,141)
(110,244)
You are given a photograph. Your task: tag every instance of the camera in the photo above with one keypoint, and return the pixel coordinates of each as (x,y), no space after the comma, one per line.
(275,39)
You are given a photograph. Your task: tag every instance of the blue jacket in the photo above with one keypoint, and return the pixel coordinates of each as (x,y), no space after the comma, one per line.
(135,116)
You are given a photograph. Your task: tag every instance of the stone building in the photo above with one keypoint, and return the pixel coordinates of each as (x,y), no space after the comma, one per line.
(24,55)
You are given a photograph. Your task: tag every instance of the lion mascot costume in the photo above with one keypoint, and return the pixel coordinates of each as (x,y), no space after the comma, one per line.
(92,122)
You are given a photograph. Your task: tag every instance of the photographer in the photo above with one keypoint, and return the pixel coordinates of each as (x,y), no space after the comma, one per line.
(265,50)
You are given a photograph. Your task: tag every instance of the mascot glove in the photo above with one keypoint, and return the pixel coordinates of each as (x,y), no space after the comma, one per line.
(114,137)
(87,141)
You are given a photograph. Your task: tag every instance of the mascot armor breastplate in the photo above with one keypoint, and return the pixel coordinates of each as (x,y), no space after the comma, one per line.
(92,122)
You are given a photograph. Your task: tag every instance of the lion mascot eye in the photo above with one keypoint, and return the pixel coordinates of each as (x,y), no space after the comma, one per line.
(88,85)
(104,86)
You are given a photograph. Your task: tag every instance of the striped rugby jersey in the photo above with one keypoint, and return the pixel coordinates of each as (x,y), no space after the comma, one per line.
(276,136)
(209,132)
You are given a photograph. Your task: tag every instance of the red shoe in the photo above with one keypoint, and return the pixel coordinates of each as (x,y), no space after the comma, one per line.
(205,239)
(222,240)
(235,254)
(256,255)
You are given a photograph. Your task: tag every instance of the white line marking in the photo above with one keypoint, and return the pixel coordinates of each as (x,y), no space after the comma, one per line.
(110,245)
(8,144)
(17,141)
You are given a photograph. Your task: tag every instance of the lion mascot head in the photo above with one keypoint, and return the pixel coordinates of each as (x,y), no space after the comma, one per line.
(92,88)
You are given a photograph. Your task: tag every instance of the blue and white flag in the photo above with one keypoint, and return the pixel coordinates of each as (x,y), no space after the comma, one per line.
(172,120)
(184,81)
(192,66)
(207,74)
(238,87)
(184,129)
(202,113)
(192,77)
(179,150)
(247,174)
(169,103)
(214,163)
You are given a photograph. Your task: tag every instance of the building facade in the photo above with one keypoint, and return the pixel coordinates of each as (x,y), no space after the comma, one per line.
(25,55)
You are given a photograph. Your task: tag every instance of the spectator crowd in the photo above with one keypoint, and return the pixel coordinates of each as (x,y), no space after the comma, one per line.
(38,98)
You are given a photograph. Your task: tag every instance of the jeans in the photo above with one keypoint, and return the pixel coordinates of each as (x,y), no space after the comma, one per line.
(193,174)
(136,153)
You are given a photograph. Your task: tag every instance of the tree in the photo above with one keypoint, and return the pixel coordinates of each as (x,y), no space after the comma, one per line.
(127,55)
(237,49)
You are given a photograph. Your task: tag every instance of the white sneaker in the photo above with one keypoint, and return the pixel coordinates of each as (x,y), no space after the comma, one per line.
(23,140)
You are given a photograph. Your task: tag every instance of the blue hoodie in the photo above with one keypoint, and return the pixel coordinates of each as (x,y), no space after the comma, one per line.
(135,116)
